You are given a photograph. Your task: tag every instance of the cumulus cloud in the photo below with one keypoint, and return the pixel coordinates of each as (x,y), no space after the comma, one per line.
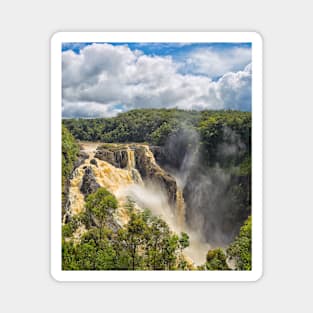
(214,63)
(104,79)
(88,110)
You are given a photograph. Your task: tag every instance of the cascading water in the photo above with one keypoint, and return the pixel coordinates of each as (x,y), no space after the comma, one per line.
(131,166)
(180,208)
(127,183)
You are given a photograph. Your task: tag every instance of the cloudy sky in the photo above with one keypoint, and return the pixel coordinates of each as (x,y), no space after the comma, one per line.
(104,79)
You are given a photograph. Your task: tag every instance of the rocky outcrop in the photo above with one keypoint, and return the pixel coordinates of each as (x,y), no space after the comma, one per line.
(82,156)
(89,183)
(150,170)
(159,154)
(168,157)
(94,162)
(116,157)
(143,160)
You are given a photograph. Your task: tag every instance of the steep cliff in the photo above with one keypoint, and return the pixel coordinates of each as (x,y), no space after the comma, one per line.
(130,171)
(116,156)
(150,170)
(139,157)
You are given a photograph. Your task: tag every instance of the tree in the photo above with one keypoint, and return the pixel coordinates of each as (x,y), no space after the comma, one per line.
(216,260)
(240,249)
(133,238)
(70,150)
(159,233)
(69,255)
(86,254)
(99,207)
(183,244)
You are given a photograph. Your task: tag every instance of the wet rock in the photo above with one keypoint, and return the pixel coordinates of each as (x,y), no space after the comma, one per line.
(150,170)
(116,157)
(94,162)
(82,156)
(89,183)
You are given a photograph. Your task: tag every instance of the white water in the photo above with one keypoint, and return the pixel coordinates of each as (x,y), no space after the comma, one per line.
(127,183)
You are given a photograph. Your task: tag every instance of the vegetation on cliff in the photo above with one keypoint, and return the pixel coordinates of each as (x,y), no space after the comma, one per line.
(70,150)
(240,249)
(144,243)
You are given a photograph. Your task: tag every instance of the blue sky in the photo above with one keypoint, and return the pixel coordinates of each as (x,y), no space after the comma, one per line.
(104,79)
(158,48)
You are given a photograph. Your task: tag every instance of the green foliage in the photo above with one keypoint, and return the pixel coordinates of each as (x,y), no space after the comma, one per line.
(144,125)
(99,207)
(216,260)
(69,228)
(69,257)
(70,150)
(240,249)
(144,243)
(217,129)
(220,130)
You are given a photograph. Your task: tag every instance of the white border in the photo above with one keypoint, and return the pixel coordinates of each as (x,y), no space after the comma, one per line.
(257,166)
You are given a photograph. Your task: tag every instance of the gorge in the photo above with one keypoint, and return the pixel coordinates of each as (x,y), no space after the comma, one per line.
(192,170)
(130,171)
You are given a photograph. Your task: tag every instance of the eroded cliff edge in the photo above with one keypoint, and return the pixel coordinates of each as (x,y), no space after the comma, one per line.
(142,159)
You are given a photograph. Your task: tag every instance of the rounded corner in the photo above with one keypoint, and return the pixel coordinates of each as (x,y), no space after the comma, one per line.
(55,276)
(257,37)
(55,36)
(257,276)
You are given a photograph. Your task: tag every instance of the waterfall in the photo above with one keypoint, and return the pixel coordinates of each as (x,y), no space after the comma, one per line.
(127,182)
(107,176)
(131,166)
(131,162)
(180,208)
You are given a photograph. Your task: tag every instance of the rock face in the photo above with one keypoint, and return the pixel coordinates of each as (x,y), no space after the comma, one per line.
(150,170)
(116,157)
(141,158)
(82,156)
(89,183)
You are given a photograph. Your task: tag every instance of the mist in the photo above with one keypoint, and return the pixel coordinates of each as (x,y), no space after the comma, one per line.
(211,217)
(151,196)
(211,211)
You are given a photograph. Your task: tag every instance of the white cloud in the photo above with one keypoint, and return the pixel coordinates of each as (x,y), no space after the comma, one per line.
(87,109)
(103,76)
(214,63)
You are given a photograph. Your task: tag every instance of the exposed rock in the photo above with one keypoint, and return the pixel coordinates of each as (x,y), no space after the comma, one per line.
(116,157)
(89,183)
(150,170)
(82,156)
(159,154)
(170,156)
(94,162)
(144,162)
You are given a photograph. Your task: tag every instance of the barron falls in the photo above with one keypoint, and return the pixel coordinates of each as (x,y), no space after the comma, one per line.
(131,173)
(157,189)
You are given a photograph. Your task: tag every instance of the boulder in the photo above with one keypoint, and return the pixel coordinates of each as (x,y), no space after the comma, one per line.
(89,183)
(94,162)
